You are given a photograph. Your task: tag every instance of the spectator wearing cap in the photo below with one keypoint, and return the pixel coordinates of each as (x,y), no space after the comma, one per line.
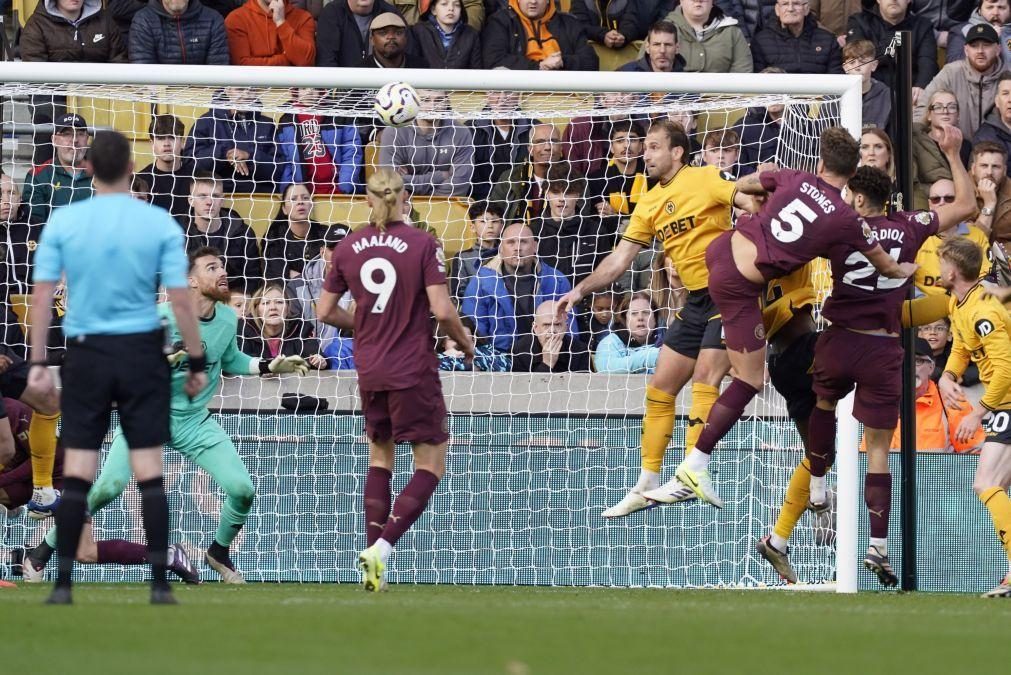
(936,422)
(549,347)
(879,24)
(997,126)
(445,38)
(535,35)
(65,179)
(293,238)
(274,33)
(612,23)
(71,31)
(389,40)
(434,156)
(972,80)
(178,31)
(342,32)
(794,42)
(306,288)
(661,52)
(997,13)
(413,11)
(711,41)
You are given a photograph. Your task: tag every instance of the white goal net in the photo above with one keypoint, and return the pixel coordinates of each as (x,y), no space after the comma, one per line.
(272,173)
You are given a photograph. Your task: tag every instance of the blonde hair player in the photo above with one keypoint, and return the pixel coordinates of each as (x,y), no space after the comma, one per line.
(397,276)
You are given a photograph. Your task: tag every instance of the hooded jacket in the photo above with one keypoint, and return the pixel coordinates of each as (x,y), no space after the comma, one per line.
(254,39)
(489,303)
(196,37)
(868,25)
(449,150)
(956,40)
(973,90)
(619,15)
(93,38)
(719,48)
(814,51)
(339,42)
(504,42)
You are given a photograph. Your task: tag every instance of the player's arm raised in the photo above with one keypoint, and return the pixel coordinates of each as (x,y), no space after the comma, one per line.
(950,215)
(449,321)
(609,269)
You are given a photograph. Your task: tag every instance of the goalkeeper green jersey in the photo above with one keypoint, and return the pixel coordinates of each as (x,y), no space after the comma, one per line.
(218,335)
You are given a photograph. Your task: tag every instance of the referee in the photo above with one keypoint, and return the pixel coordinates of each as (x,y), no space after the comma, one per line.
(113,250)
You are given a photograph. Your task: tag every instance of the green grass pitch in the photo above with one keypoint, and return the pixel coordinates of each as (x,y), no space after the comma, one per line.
(282,629)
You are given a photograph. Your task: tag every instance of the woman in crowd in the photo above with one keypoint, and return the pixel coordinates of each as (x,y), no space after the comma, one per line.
(632,348)
(293,238)
(929,164)
(272,331)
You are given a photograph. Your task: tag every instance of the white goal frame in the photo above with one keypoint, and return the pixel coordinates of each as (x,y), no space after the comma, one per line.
(847,87)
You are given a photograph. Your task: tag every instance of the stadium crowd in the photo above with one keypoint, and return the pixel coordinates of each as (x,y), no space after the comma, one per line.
(545,203)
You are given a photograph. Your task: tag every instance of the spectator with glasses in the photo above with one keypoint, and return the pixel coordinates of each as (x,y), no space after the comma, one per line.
(928,275)
(972,80)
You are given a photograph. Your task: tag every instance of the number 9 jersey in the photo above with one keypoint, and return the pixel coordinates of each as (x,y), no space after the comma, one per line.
(387,273)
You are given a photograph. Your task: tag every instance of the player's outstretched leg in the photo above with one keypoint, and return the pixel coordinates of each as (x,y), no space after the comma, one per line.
(993,474)
(710,368)
(210,448)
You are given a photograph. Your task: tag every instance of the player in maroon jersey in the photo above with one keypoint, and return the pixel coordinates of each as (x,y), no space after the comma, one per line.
(16,487)
(397,277)
(804,217)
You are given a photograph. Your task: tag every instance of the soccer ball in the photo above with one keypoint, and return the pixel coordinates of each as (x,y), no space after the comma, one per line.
(397,104)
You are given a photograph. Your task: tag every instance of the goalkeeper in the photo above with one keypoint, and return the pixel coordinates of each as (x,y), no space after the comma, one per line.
(195,434)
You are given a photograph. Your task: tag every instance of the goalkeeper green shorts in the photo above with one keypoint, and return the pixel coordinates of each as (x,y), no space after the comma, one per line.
(194,435)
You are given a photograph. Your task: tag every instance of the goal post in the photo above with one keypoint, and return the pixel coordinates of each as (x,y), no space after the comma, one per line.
(545,454)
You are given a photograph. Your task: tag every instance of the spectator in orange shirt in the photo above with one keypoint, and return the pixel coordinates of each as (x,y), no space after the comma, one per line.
(936,423)
(271,33)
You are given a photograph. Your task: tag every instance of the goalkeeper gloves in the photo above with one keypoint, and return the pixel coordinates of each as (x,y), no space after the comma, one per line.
(284,364)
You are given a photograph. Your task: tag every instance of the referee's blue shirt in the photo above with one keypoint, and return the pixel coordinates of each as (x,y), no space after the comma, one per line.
(114,249)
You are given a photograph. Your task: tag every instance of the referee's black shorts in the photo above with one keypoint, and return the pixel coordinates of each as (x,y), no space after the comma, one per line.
(128,370)
(696,326)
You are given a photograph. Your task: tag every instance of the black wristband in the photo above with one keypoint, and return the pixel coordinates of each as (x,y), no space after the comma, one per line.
(264,367)
(198,364)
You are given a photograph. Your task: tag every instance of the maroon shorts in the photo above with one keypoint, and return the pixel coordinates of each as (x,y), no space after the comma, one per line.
(872,363)
(415,415)
(738,299)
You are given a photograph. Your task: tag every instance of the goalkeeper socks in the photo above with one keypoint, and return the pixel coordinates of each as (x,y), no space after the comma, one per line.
(729,408)
(154,507)
(878,497)
(70,521)
(821,441)
(410,505)
(797,494)
(121,551)
(703,398)
(657,427)
(997,503)
(42,443)
(234,513)
(378,497)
